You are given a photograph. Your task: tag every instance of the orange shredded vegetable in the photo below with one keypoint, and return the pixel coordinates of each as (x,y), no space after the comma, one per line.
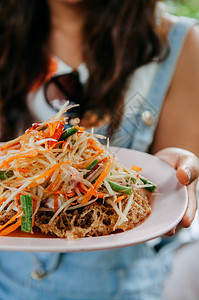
(93,144)
(53,192)
(70,195)
(2,200)
(31,153)
(74,203)
(97,184)
(33,208)
(120,198)
(56,204)
(83,189)
(11,228)
(99,194)
(50,171)
(79,128)
(17,200)
(10,221)
(23,170)
(136,168)
(53,184)
(87,162)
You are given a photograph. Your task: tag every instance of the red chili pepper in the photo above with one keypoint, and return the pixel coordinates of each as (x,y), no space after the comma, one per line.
(33,127)
(57,134)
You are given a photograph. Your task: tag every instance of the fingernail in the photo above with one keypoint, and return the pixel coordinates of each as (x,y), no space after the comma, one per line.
(187,171)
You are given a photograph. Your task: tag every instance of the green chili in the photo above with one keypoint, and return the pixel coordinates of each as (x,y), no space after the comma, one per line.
(6,174)
(26,222)
(149,188)
(92,165)
(120,188)
(68,132)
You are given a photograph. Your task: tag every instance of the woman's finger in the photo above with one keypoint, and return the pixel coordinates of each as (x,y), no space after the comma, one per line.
(171,232)
(186,165)
(187,169)
(184,162)
(191,207)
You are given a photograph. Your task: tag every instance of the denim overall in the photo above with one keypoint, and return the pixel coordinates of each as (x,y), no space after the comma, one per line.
(135,272)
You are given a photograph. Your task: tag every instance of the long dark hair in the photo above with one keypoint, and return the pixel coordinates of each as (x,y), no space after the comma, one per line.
(119,36)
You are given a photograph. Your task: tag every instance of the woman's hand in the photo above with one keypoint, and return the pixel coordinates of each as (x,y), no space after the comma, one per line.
(186,165)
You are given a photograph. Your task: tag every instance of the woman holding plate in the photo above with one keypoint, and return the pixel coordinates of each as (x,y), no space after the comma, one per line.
(128,64)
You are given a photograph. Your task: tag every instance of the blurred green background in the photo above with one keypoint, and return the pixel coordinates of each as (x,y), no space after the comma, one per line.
(188,8)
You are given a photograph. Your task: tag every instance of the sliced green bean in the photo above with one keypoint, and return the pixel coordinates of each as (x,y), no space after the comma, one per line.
(92,165)
(120,188)
(68,132)
(26,222)
(149,188)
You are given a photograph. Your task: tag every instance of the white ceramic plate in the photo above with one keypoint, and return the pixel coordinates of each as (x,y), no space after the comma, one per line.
(168,207)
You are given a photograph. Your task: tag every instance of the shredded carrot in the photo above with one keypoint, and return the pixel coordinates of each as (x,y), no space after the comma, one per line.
(49,172)
(32,185)
(53,129)
(64,144)
(48,131)
(53,192)
(55,132)
(56,204)
(10,221)
(2,200)
(33,127)
(103,160)
(33,221)
(74,203)
(97,184)
(17,200)
(11,143)
(87,162)
(120,198)
(79,128)
(93,144)
(56,144)
(23,170)
(7,145)
(69,195)
(83,189)
(136,168)
(11,228)
(99,194)
(33,218)
(31,153)
(53,184)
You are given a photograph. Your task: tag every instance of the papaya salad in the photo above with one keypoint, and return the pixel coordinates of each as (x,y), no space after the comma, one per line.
(64,182)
